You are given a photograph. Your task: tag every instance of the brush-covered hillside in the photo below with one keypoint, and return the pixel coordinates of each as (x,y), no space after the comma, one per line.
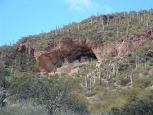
(100,66)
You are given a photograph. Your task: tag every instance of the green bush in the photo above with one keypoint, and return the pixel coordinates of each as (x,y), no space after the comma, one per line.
(135,106)
(143,82)
(55,93)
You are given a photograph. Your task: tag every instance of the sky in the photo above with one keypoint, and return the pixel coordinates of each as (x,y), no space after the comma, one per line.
(19,18)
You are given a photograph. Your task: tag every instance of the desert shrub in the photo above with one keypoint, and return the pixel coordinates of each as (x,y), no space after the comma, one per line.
(3,77)
(135,106)
(122,68)
(55,93)
(23,109)
(123,80)
(143,82)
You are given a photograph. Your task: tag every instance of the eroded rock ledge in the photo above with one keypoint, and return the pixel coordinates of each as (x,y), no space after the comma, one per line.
(81,49)
(65,50)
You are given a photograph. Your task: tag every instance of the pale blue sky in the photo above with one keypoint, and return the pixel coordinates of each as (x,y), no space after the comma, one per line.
(19,18)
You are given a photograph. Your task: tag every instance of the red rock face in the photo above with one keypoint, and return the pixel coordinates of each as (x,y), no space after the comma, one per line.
(64,49)
(130,45)
(26,46)
(69,50)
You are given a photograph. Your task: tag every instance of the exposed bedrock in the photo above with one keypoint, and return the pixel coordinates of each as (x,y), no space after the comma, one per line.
(64,50)
(81,49)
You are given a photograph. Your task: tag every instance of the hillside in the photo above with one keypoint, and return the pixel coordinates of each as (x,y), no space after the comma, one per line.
(104,27)
(102,65)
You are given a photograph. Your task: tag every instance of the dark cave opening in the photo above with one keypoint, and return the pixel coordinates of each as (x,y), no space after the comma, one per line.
(82,55)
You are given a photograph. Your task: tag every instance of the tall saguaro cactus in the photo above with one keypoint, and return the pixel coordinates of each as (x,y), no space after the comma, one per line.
(117,31)
(127,28)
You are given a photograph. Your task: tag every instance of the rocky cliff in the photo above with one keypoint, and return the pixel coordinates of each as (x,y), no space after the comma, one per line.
(81,49)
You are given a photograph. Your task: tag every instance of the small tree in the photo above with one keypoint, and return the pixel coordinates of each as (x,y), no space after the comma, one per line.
(54,93)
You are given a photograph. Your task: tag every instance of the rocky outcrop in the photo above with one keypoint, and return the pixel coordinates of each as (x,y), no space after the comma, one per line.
(149,56)
(128,45)
(26,46)
(81,49)
(64,50)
